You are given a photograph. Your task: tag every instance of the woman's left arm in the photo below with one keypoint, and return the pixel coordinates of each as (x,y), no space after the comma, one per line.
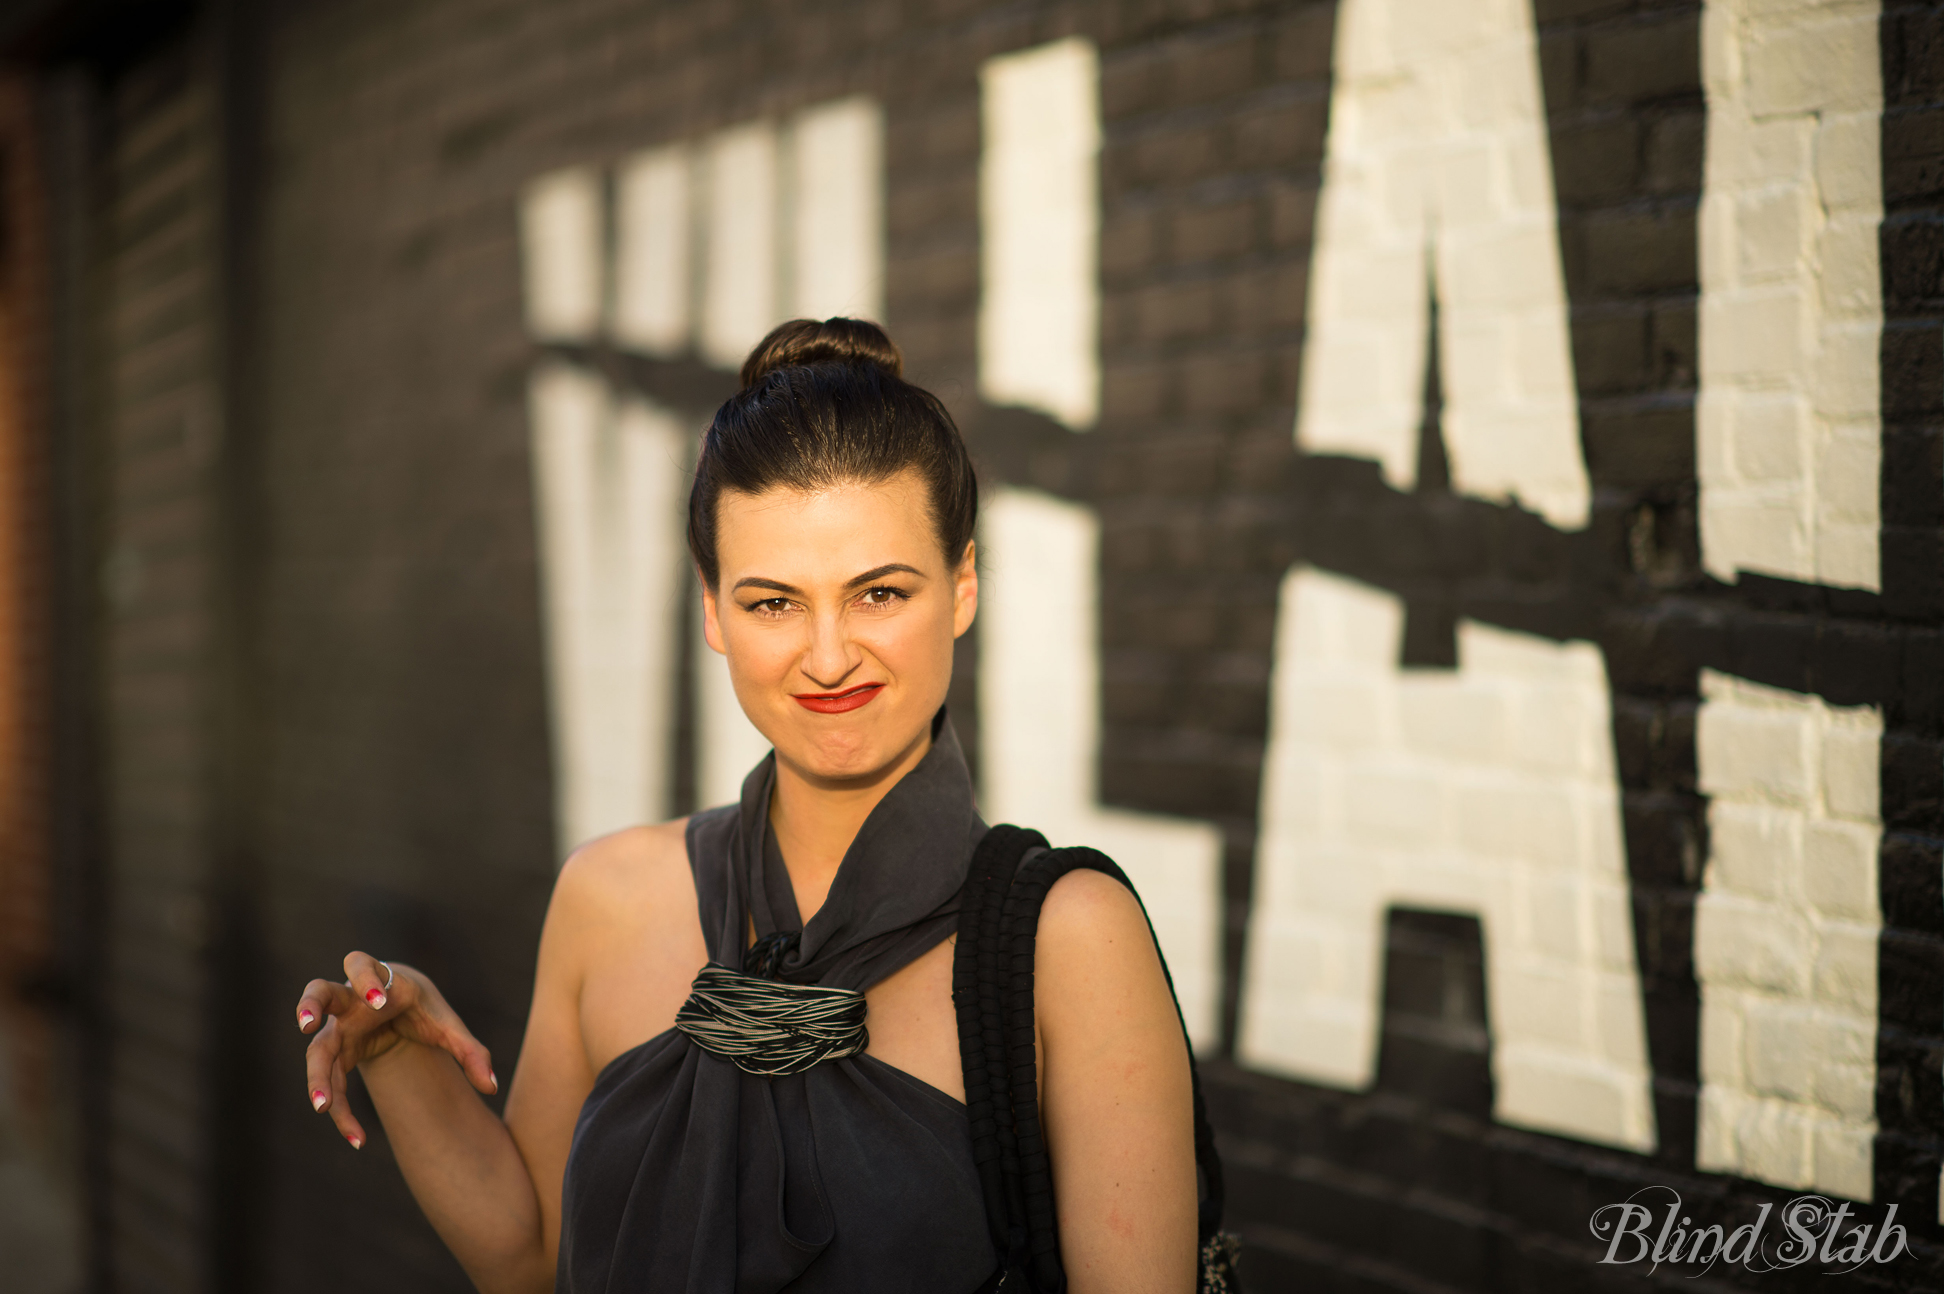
(1115,1094)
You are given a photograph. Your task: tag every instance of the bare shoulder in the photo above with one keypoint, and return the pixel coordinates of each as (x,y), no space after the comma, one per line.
(624,876)
(1095,965)
(1090,913)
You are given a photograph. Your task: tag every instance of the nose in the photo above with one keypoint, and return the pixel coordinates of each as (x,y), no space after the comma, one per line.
(830,657)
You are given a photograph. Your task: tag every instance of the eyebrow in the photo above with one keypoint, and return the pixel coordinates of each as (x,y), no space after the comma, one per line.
(875,573)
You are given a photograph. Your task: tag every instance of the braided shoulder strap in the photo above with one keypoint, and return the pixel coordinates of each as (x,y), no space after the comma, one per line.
(977,999)
(992,988)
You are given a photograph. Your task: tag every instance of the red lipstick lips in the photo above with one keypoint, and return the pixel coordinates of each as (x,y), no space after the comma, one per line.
(838,702)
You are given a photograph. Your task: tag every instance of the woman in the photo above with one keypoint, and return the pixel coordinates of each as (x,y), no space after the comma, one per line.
(831,526)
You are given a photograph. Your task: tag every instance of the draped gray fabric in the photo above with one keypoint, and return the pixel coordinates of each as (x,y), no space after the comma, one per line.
(689,1175)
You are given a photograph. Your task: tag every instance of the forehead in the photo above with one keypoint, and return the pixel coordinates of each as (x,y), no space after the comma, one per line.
(828,534)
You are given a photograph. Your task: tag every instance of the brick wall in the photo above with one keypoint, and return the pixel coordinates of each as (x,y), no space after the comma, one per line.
(1505,554)
(161,429)
(38,1117)
(26,900)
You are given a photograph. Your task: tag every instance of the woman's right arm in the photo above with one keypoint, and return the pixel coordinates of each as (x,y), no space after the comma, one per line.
(491,1188)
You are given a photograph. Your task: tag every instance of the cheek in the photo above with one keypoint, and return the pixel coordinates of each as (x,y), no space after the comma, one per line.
(913,645)
(760,653)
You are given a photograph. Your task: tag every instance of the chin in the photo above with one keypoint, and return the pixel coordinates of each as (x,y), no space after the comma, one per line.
(845,751)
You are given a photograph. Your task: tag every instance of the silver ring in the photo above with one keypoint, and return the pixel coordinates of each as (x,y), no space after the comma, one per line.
(386,986)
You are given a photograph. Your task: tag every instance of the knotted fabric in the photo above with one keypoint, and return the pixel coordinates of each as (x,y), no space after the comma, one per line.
(771,1028)
(692,1174)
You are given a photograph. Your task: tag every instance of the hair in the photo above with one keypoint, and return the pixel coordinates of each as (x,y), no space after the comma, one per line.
(822,405)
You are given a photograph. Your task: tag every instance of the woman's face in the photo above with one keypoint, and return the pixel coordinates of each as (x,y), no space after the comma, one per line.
(837,613)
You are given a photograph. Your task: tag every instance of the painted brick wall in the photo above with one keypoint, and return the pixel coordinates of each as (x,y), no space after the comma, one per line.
(1792,292)
(1785,938)
(410,802)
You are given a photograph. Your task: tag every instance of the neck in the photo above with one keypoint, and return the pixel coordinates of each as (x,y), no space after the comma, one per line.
(815,819)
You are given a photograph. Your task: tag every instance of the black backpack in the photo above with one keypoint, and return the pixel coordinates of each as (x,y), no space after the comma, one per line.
(992,990)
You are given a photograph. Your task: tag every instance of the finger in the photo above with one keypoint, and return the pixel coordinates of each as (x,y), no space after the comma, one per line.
(321,998)
(367,979)
(347,1122)
(325,1069)
(475,1062)
(320,1058)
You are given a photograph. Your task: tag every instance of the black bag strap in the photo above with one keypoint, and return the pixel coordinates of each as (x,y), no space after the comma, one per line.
(976,1000)
(992,984)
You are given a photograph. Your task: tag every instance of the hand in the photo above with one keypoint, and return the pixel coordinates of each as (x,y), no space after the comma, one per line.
(361,1020)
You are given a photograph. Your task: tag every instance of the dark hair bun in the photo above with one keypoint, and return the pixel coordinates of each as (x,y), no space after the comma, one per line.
(833,341)
(826,404)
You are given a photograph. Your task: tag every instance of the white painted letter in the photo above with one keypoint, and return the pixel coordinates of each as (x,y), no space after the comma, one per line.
(1785,937)
(1788,428)
(651,276)
(739,292)
(1437,166)
(1039,231)
(1486,790)
(608,491)
(561,254)
(837,211)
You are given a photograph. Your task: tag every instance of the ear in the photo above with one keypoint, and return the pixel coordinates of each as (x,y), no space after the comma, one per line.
(711,626)
(965,591)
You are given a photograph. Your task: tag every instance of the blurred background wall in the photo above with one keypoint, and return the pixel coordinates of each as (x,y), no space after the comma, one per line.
(1465,527)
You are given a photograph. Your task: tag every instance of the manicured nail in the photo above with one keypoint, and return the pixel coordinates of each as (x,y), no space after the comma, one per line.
(493,1078)
(304,1018)
(357,1143)
(317,1100)
(377,999)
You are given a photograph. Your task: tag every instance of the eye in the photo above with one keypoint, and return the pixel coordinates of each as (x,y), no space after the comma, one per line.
(883,596)
(768,606)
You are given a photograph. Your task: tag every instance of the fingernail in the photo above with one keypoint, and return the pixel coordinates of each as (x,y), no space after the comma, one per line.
(377,999)
(317,1100)
(304,1018)
(357,1143)
(493,1078)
